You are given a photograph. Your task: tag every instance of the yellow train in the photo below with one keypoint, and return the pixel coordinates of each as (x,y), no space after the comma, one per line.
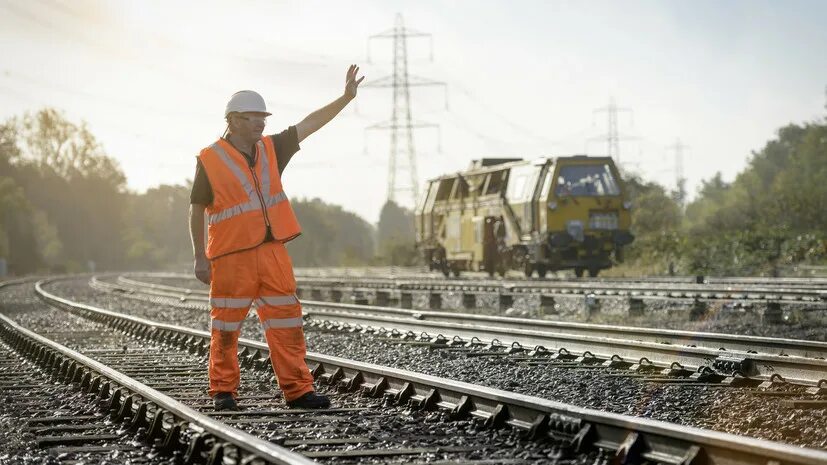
(531,215)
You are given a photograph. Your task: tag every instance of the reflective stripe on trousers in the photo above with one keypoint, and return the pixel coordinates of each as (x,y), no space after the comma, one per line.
(226,325)
(230,302)
(244,302)
(262,276)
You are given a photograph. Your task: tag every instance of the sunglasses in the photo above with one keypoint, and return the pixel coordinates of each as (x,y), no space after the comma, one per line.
(263,119)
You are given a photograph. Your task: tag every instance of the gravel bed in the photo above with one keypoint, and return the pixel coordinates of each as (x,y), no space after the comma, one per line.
(394,427)
(17,406)
(719,408)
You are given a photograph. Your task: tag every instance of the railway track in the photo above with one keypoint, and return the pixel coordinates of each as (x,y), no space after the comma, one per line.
(801,293)
(565,431)
(678,356)
(805,299)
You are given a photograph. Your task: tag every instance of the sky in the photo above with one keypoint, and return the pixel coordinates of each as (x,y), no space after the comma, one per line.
(522,79)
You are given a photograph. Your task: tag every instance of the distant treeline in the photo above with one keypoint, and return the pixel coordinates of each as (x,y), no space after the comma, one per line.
(64,207)
(770,217)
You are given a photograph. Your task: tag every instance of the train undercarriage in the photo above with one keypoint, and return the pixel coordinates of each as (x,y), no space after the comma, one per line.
(549,254)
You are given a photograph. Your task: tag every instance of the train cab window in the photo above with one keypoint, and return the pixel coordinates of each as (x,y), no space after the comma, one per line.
(523,181)
(496,182)
(545,191)
(586,180)
(426,199)
(476,182)
(461,190)
(445,188)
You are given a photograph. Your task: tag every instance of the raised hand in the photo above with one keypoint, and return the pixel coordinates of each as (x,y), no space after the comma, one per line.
(351,83)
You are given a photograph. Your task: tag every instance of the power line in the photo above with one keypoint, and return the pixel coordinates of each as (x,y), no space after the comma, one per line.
(401,124)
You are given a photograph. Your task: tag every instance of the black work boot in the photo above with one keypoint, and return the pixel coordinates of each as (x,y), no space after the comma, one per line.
(309,400)
(224,401)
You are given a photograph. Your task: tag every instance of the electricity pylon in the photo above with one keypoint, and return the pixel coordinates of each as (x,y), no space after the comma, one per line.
(401,124)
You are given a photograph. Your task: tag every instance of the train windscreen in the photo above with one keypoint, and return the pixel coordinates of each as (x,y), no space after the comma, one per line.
(586,180)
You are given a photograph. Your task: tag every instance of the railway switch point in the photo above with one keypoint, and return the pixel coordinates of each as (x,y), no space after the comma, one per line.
(636,307)
(383,298)
(699,310)
(435,301)
(591,305)
(547,305)
(469,300)
(406,300)
(772,314)
(505,301)
(359,298)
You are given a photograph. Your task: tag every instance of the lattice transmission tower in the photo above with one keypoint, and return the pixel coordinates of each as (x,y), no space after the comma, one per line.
(612,136)
(680,181)
(401,124)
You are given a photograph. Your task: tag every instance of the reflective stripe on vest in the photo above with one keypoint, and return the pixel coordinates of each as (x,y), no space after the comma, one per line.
(282,323)
(276,300)
(222,325)
(265,168)
(230,302)
(254,203)
(248,188)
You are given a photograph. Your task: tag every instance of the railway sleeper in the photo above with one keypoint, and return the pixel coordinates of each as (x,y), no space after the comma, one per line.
(499,417)
(123,407)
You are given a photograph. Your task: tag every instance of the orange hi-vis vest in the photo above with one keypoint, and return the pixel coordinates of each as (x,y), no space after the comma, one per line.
(246,200)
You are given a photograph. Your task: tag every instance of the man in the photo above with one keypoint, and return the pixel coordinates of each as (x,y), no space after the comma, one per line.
(238,185)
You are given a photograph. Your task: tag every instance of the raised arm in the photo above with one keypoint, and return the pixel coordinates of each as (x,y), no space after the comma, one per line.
(314,121)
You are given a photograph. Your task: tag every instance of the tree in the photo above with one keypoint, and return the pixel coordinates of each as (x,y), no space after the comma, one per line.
(79,190)
(395,235)
(330,236)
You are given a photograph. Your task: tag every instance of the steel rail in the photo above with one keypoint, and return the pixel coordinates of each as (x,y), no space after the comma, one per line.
(761,358)
(814,283)
(80,367)
(715,289)
(423,273)
(631,439)
(561,289)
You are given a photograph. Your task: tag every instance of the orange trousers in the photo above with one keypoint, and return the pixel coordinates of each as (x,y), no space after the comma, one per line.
(263,275)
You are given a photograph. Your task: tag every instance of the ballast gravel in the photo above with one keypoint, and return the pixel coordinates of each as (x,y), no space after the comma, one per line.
(381,426)
(725,409)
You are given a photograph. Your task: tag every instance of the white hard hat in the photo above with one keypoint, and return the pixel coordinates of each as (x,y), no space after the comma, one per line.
(246,101)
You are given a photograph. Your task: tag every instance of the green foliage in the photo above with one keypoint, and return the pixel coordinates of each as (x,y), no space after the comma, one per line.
(156,234)
(395,236)
(63,204)
(330,236)
(770,216)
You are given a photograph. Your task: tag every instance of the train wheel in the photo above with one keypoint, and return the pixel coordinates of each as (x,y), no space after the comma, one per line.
(528,269)
(456,272)
(593,272)
(541,271)
(578,271)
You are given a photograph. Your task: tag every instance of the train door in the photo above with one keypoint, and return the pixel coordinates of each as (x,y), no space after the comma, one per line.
(492,234)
